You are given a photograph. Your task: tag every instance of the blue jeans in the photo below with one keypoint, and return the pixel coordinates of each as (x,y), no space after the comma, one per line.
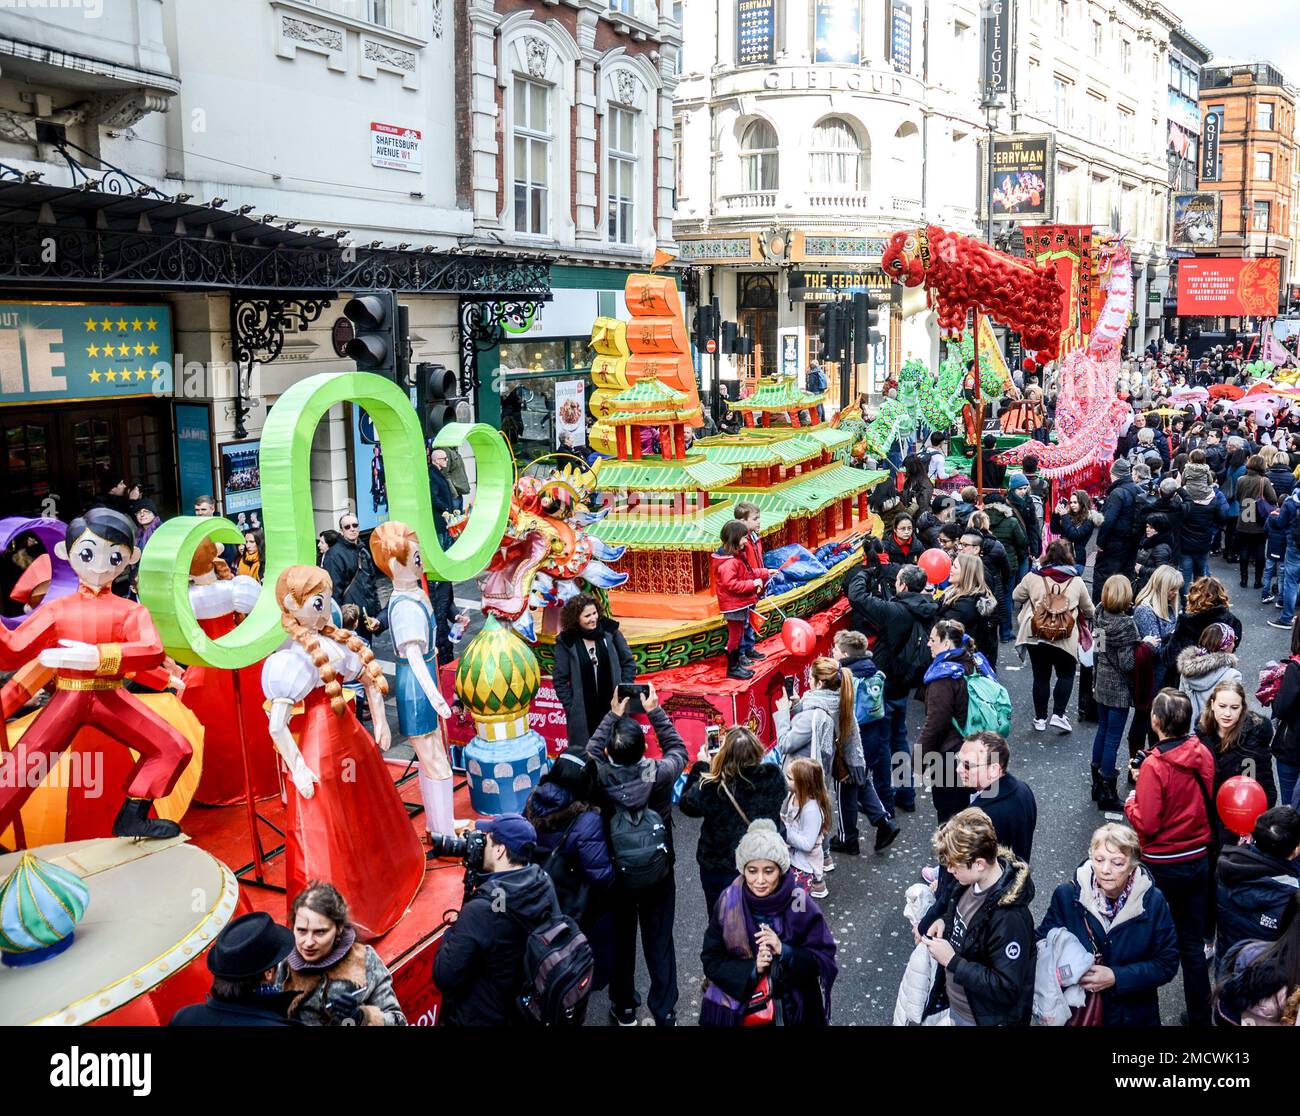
(748,637)
(1290,582)
(1192,567)
(1272,571)
(1008,613)
(899,747)
(1287,776)
(1105,741)
(875,750)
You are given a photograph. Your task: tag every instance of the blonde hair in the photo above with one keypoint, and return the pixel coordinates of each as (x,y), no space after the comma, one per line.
(300,582)
(206,559)
(851,642)
(809,782)
(969,581)
(1117,594)
(1155,593)
(391,541)
(978,521)
(966,837)
(829,675)
(1119,837)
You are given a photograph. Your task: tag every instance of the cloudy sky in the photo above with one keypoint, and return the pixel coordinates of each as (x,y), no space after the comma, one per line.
(1245,30)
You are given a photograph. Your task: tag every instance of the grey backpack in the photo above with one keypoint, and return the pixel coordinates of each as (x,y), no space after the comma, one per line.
(638,846)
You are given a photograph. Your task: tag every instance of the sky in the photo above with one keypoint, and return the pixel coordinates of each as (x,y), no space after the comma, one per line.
(1245,31)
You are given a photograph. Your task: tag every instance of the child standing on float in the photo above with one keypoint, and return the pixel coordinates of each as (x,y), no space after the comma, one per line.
(345,821)
(395,548)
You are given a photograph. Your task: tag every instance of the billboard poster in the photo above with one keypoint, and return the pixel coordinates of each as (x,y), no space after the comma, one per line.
(1210,147)
(241,484)
(838,31)
(789,352)
(755,32)
(996,60)
(900,36)
(570,414)
(1196,220)
(1228,287)
(193,451)
(1022,178)
(368,469)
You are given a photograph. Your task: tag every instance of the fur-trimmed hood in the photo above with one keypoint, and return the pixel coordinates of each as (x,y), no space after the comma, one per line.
(1095,517)
(1018,887)
(1200,668)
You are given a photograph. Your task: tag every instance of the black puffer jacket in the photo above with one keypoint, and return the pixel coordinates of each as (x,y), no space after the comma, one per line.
(1188,632)
(997,566)
(1250,754)
(1286,717)
(1200,522)
(1152,552)
(1283,481)
(889,623)
(760,793)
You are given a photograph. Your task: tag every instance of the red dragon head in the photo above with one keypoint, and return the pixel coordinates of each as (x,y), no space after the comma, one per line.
(905,257)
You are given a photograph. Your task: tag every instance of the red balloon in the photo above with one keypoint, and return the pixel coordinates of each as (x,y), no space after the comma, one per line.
(798,636)
(1028,364)
(936,564)
(1240,801)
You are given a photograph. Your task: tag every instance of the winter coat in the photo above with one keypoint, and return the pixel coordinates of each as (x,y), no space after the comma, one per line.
(1013,810)
(903,556)
(1278,526)
(1167,809)
(1077,531)
(648,782)
(1187,632)
(1250,755)
(811,729)
(1282,480)
(1116,640)
(584,711)
(575,828)
(1250,488)
(946,701)
(479,964)
(1033,588)
(1153,552)
(918,977)
(995,962)
(352,572)
(978,615)
(1230,484)
(1200,671)
(1118,519)
(359,968)
(1286,717)
(733,582)
(1006,527)
(926,528)
(1172,511)
(1139,945)
(759,792)
(751,549)
(805,828)
(262,1010)
(1201,520)
(1253,891)
(1020,502)
(890,622)
(997,566)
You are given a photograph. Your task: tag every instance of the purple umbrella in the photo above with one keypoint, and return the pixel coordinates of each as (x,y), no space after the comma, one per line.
(50,531)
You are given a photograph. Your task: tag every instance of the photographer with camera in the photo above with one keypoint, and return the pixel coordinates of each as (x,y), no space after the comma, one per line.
(479,967)
(635,794)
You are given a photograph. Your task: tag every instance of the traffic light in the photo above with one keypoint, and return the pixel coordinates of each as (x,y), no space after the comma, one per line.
(378,342)
(835,327)
(436,395)
(706,329)
(865,318)
(744,346)
(730,333)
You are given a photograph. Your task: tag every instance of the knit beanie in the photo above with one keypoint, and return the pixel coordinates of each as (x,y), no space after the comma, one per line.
(1121,469)
(762,841)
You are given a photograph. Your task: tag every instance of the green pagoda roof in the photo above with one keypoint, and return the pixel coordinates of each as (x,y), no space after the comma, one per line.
(787,451)
(653,474)
(805,496)
(694,531)
(783,395)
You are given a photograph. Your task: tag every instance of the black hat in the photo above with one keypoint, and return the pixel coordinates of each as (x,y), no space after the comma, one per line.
(249,946)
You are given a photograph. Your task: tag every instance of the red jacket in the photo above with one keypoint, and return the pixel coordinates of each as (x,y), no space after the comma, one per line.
(733,582)
(751,549)
(1168,809)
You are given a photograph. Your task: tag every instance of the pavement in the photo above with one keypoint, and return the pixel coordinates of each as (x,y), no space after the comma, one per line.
(866,892)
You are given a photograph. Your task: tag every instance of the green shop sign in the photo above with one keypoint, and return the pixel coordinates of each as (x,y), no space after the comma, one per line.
(63,351)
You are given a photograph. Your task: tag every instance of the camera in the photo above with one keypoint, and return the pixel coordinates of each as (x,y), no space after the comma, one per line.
(1139,758)
(470,848)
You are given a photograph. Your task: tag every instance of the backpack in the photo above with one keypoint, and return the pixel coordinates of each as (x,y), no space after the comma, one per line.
(638,846)
(988,707)
(1270,680)
(558,970)
(914,656)
(1052,619)
(572,889)
(869,697)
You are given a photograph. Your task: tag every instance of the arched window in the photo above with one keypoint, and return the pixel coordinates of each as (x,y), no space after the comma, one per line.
(837,156)
(758,156)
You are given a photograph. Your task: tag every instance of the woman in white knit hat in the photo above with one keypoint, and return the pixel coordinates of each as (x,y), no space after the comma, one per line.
(768,953)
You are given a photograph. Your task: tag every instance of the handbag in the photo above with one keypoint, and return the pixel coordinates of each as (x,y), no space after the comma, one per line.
(1090,1014)
(761,1009)
(1087,647)
(726,790)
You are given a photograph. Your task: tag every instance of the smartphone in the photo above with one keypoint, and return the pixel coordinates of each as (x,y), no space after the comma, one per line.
(633,692)
(789,687)
(712,734)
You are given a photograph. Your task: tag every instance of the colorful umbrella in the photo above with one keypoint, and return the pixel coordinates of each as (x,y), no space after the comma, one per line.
(1225,391)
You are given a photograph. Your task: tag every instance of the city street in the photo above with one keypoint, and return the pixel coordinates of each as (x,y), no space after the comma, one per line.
(866,892)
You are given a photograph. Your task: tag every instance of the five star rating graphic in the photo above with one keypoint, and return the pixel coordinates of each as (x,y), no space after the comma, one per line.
(123,348)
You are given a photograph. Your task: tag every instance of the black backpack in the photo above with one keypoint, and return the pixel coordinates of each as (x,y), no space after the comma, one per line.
(572,888)
(638,846)
(558,970)
(913,657)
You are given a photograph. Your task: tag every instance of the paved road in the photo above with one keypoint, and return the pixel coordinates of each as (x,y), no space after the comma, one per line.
(865,903)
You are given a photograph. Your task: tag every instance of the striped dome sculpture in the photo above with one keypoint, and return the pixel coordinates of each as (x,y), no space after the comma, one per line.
(496,681)
(40,906)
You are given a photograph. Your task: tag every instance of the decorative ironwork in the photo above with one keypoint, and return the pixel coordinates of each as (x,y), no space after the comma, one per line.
(114,180)
(482,329)
(257,328)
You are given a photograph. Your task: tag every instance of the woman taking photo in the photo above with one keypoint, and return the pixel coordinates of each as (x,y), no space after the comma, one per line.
(947,706)
(337,980)
(1207,603)
(1075,521)
(1117,640)
(1155,612)
(768,954)
(728,789)
(1052,599)
(1114,907)
(969,601)
(1239,739)
(591,660)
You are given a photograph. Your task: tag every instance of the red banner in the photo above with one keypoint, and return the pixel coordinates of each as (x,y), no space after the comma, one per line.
(1227,288)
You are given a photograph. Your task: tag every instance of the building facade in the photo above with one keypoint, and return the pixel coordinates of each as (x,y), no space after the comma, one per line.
(246,167)
(1253,174)
(564,118)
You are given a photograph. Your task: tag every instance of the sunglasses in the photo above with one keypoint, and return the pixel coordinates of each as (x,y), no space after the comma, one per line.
(351,526)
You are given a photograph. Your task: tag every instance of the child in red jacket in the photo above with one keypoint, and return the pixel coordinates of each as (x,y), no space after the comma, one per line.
(751,549)
(737,589)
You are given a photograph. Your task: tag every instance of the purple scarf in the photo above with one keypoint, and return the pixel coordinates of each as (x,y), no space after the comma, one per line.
(739,911)
(300,964)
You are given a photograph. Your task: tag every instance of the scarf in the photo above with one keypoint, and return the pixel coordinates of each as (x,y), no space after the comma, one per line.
(1059,574)
(945,664)
(1109,907)
(905,545)
(798,924)
(299,964)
